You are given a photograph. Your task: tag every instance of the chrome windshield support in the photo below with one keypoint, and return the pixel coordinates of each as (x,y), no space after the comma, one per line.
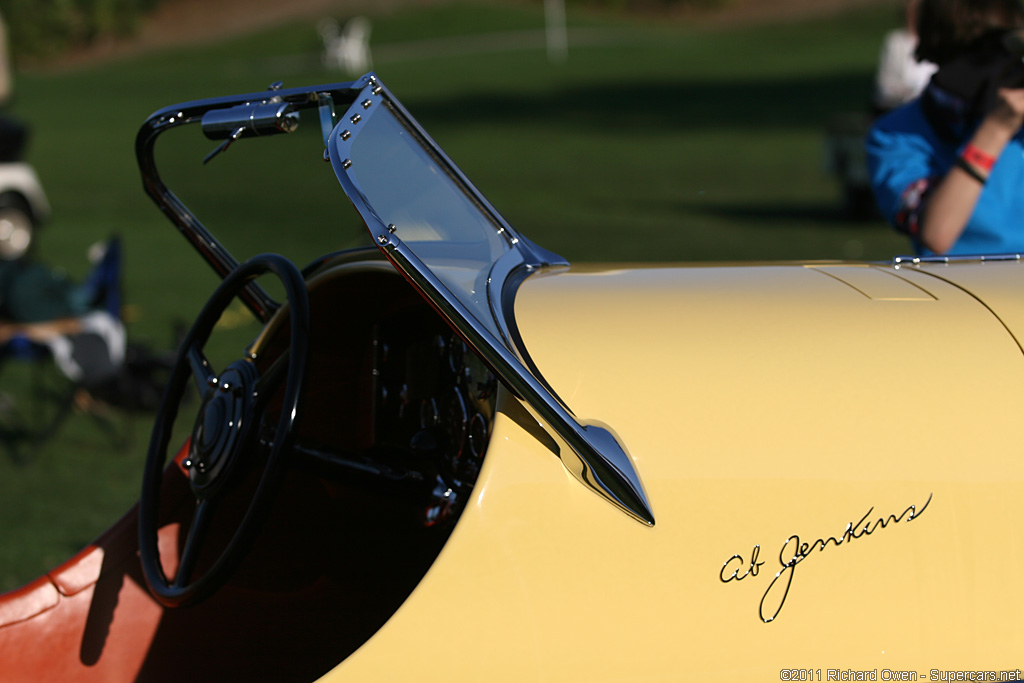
(593,454)
(463,257)
(230,118)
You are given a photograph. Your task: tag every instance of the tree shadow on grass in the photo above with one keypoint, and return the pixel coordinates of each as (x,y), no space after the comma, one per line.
(654,107)
(773,214)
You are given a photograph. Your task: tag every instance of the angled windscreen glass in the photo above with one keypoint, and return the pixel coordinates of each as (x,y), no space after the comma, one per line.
(407,185)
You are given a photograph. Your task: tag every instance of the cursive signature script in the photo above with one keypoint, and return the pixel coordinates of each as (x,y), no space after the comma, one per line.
(794,552)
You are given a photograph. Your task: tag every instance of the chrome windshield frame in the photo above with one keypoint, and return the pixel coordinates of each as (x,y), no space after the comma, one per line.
(590,451)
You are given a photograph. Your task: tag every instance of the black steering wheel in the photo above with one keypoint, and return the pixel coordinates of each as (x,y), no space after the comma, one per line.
(224,444)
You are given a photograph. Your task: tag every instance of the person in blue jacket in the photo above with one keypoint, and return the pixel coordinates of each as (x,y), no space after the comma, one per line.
(948,168)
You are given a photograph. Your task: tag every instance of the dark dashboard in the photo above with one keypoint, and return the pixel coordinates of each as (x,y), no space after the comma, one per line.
(394,399)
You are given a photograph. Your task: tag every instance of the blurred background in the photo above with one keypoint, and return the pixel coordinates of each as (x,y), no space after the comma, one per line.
(637,130)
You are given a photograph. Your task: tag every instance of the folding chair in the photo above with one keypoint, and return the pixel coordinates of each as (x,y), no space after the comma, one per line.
(85,360)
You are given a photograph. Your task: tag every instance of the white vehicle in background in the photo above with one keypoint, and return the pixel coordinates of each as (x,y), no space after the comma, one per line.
(23,208)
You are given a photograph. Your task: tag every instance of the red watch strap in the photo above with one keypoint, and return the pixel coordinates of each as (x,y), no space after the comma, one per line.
(978,158)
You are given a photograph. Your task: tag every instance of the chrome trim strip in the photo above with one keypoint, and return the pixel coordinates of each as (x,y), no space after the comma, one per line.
(970,258)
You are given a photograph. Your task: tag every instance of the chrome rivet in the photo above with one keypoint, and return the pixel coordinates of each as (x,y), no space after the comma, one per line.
(346,134)
(392,228)
(347,163)
(367,103)
(213,382)
(377,90)
(383,239)
(356,118)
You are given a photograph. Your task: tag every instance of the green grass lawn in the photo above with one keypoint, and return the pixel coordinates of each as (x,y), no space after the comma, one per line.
(654,141)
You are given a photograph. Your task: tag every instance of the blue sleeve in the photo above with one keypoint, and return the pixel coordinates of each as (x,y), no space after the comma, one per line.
(905,160)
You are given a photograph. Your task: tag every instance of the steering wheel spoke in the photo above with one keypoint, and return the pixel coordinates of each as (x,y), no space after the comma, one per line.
(202,372)
(226,432)
(270,379)
(201,521)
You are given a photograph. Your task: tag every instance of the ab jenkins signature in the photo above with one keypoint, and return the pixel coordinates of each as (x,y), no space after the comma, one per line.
(793,552)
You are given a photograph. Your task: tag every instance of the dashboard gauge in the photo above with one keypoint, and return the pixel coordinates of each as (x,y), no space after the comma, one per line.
(477,435)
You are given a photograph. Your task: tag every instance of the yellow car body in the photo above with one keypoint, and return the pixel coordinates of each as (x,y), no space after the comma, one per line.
(457,456)
(861,415)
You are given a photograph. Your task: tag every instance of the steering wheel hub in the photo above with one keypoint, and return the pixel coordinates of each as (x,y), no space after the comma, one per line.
(221,426)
